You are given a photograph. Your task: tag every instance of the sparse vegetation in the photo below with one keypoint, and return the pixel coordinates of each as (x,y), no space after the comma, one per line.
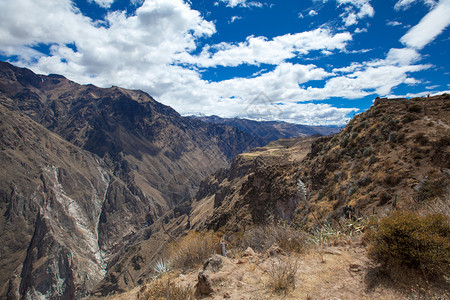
(410,241)
(344,230)
(282,273)
(192,249)
(161,267)
(261,238)
(432,186)
(415,108)
(166,289)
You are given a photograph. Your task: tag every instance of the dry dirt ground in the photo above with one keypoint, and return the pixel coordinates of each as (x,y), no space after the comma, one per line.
(329,272)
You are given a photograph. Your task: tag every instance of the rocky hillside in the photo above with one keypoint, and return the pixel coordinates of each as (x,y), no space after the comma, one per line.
(397,154)
(271,130)
(394,155)
(84,169)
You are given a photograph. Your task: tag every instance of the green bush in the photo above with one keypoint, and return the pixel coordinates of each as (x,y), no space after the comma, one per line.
(406,239)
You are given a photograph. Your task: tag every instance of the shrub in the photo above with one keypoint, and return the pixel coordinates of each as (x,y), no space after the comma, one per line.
(406,239)
(282,275)
(161,267)
(409,118)
(433,186)
(367,152)
(415,108)
(192,249)
(392,137)
(421,139)
(162,289)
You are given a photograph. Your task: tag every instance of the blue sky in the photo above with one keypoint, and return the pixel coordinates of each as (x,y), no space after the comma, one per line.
(307,62)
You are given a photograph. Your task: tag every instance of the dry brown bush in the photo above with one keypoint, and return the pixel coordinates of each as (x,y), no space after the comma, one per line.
(261,238)
(166,289)
(282,273)
(192,249)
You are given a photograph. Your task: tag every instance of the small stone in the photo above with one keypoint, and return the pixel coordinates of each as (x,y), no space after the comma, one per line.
(248,252)
(242,261)
(354,268)
(227,295)
(240,284)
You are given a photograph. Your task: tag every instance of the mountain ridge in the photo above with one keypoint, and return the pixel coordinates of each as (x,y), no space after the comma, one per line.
(271,130)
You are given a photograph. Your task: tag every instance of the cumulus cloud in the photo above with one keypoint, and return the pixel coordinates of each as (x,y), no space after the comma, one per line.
(355,10)
(259,50)
(429,27)
(313,13)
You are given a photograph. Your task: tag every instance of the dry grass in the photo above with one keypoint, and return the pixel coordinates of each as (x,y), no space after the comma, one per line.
(261,238)
(282,272)
(192,249)
(343,231)
(165,289)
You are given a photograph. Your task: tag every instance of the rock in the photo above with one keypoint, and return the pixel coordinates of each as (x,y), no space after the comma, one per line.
(242,261)
(213,263)
(204,285)
(354,268)
(227,295)
(248,252)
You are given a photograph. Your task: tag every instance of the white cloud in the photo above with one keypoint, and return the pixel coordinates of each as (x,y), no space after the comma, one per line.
(355,10)
(257,50)
(361,30)
(234,19)
(242,3)
(103,3)
(394,23)
(429,27)
(414,95)
(405,4)
(313,13)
